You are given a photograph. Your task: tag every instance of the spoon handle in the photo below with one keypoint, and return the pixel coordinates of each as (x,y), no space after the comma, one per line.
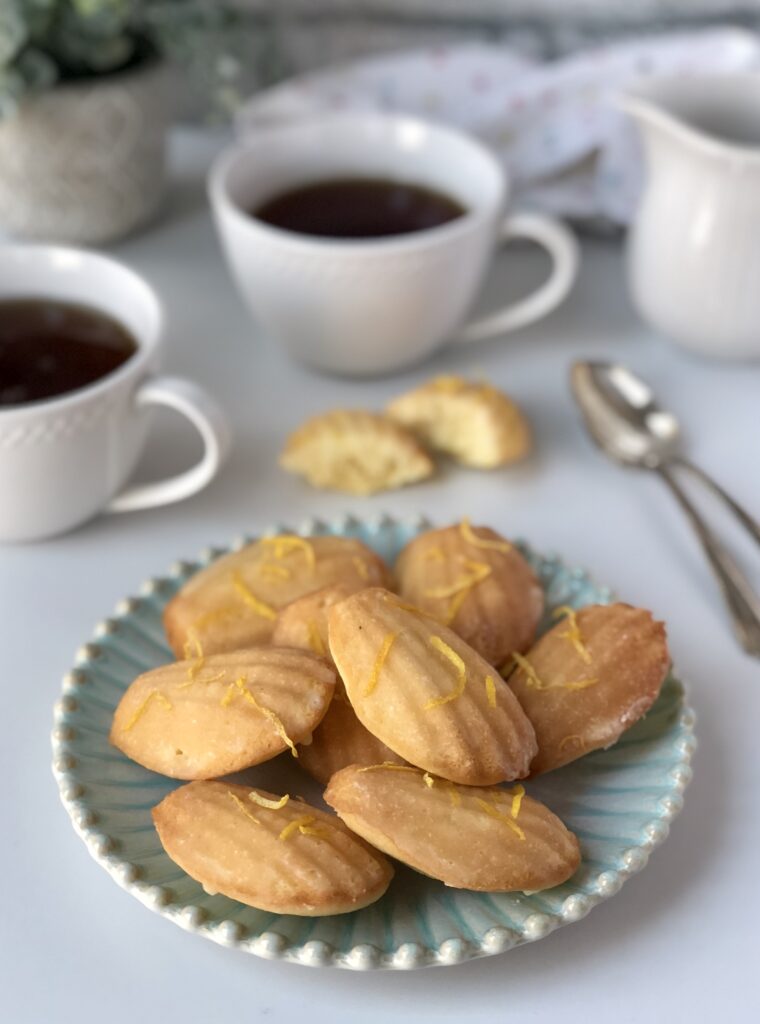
(742,602)
(751,525)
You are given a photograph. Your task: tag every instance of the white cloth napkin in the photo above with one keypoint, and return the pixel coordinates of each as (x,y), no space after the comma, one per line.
(555,125)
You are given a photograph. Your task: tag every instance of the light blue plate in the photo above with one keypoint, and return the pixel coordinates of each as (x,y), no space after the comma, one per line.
(619,803)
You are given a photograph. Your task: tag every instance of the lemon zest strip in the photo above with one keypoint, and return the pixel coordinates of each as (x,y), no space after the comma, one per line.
(154,695)
(267,712)
(215,678)
(492,812)
(490,691)
(315,640)
(471,537)
(307,830)
(478,572)
(533,679)
(194,649)
(229,696)
(293,826)
(456,603)
(263,801)
(209,679)
(517,795)
(459,589)
(452,656)
(285,544)
(248,596)
(302,825)
(241,806)
(573,633)
(428,779)
(379,662)
(580,684)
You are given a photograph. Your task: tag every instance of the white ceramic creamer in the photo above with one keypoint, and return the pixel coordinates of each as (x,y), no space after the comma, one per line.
(694,246)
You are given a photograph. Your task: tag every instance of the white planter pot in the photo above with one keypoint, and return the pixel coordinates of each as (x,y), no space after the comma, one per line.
(85,162)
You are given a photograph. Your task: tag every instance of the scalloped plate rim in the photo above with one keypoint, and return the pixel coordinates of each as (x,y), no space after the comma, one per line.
(363,956)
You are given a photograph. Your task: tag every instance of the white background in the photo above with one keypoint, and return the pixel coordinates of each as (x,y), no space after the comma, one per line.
(678,943)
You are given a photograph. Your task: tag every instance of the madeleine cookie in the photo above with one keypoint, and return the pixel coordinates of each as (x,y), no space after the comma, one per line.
(486,839)
(589,679)
(473,423)
(213,715)
(269,852)
(303,622)
(356,452)
(340,738)
(477,583)
(427,694)
(233,603)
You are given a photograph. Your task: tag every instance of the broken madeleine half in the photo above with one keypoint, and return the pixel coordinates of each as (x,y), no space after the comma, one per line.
(589,679)
(356,452)
(474,423)
(209,716)
(340,738)
(485,839)
(427,694)
(271,852)
(233,603)
(475,582)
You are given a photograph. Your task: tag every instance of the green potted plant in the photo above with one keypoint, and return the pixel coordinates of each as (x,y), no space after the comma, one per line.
(84,108)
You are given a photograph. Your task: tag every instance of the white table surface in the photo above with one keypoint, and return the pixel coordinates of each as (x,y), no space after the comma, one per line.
(672,945)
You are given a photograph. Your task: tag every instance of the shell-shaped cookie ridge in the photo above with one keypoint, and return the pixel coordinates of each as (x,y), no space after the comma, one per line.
(209,716)
(480,838)
(289,857)
(425,693)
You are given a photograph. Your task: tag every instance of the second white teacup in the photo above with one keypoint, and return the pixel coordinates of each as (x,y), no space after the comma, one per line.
(367,306)
(65,458)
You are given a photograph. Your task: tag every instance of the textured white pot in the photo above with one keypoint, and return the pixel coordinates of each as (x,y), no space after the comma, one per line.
(85,162)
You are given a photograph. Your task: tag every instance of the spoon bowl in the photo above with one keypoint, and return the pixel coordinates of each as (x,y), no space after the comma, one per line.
(622,415)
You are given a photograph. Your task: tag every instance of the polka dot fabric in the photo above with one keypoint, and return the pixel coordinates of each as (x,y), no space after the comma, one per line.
(569,150)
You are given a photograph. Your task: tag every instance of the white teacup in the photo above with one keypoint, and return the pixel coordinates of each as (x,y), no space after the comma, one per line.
(64,459)
(373,305)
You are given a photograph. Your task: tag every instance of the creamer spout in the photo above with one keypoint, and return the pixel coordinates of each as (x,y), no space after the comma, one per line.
(714,113)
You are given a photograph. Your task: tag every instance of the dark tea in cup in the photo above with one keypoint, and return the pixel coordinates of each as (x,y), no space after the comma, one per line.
(359,208)
(48,348)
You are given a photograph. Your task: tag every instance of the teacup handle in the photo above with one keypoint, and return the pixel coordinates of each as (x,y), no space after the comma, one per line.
(211,423)
(562,246)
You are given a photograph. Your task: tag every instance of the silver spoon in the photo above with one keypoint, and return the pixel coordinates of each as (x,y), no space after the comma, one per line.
(625,421)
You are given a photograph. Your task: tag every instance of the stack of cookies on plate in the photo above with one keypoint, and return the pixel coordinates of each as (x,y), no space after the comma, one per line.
(412,695)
